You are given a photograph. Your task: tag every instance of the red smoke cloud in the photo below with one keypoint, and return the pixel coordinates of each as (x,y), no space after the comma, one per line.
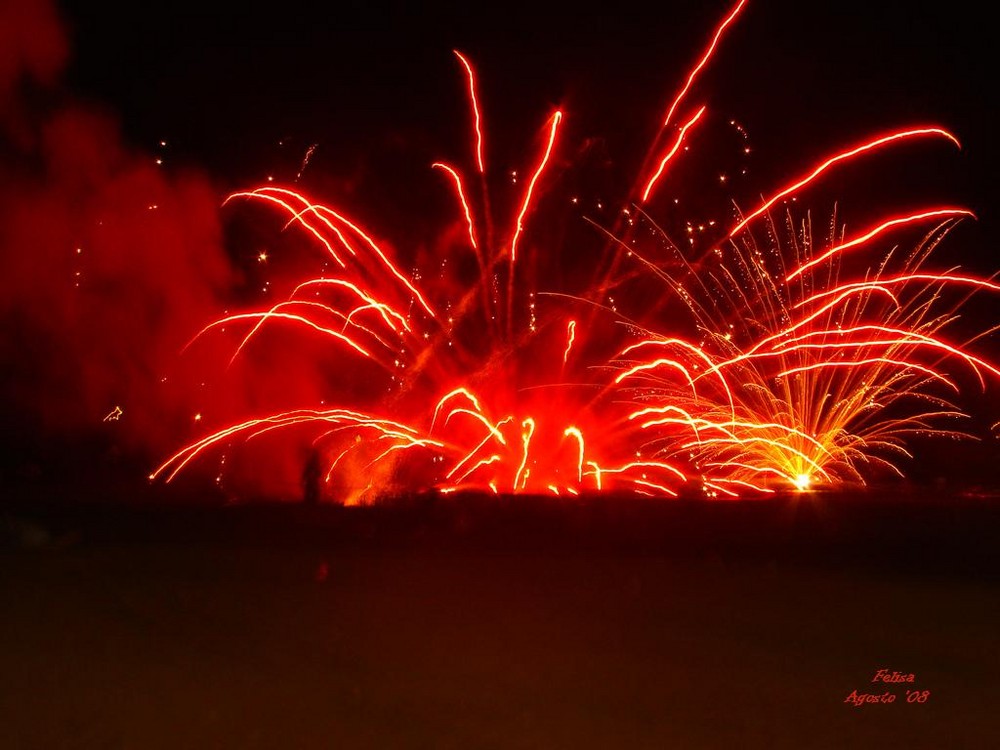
(109,261)
(33,51)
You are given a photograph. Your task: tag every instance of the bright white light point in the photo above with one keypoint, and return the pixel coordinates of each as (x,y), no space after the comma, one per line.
(802,482)
(262,256)
(197,417)
(159,161)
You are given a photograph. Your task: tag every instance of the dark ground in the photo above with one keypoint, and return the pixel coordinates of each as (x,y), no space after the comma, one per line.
(470,623)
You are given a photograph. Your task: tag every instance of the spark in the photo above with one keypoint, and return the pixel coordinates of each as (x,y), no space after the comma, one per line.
(670,154)
(474,100)
(305,160)
(461,197)
(876,143)
(519,224)
(891,223)
(570,338)
(706,56)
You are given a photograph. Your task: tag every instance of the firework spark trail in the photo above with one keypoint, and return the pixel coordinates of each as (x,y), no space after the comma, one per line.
(670,154)
(179,460)
(891,223)
(298,216)
(692,75)
(872,145)
(519,222)
(706,56)
(474,102)
(655,174)
(787,377)
(465,208)
(570,338)
(945,278)
(273,314)
(389,315)
(327,216)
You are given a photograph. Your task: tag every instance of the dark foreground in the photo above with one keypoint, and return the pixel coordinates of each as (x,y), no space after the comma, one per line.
(526,624)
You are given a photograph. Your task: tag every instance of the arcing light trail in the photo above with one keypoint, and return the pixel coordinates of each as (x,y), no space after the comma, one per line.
(791,371)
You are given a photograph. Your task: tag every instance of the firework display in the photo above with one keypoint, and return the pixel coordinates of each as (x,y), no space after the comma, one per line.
(779,357)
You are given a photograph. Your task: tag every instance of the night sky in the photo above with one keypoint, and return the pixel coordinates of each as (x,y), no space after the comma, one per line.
(223,83)
(184,102)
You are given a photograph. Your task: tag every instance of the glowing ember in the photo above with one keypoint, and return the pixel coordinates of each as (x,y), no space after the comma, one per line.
(786,364)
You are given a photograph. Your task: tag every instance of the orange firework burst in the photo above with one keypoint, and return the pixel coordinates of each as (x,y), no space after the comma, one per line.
(799,378)
(803,363)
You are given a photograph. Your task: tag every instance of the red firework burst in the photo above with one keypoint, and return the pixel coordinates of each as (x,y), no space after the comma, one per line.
(800,362)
